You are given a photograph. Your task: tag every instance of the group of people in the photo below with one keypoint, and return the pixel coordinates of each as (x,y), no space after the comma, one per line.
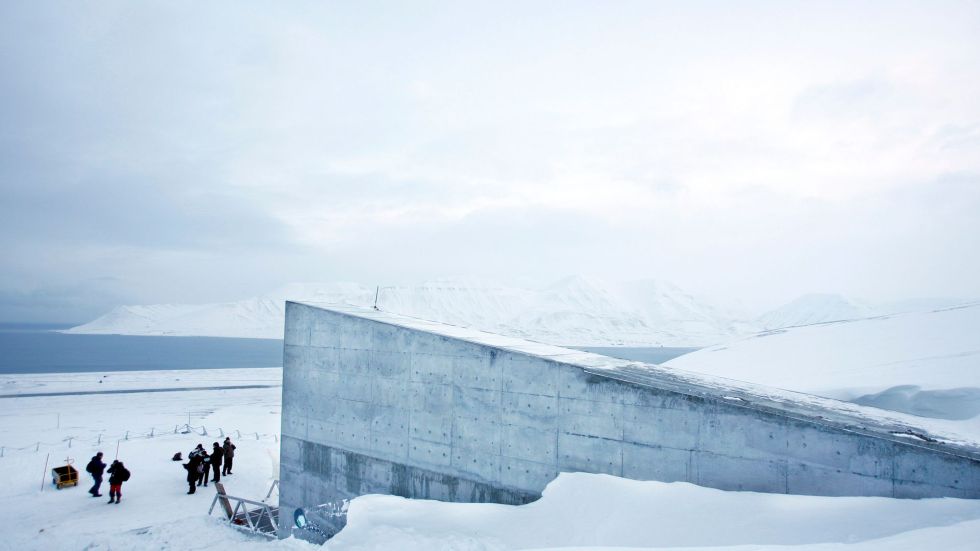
(200,464)
(118,473)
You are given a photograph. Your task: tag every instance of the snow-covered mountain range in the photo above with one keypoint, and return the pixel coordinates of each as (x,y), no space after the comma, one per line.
(575,311)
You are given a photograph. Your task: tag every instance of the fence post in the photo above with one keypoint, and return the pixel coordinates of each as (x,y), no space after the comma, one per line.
(69,441)
(276,436)
(221,432)
(44,475)
(256,436)
(100,440)
(37,447)
(204,430)
(151,432)
(239,434)
(127,435)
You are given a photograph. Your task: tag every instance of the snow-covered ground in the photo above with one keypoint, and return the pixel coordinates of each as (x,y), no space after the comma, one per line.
(578,511)
(135,380)
(34,430)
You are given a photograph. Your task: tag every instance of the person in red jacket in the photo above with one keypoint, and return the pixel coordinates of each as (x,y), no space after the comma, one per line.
(118,473)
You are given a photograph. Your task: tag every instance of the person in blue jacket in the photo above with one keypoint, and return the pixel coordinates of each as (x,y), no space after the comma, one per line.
(95,468)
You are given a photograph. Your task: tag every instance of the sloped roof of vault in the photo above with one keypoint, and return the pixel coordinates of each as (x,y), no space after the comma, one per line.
(909,429)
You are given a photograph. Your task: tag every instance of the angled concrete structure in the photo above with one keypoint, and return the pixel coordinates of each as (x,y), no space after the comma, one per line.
(379,403)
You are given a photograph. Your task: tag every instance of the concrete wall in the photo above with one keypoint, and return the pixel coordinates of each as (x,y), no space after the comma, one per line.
(370,407)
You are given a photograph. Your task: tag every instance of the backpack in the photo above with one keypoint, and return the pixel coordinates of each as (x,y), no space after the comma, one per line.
(125,475)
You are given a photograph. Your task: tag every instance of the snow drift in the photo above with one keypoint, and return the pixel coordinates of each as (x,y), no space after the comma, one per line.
(594,511)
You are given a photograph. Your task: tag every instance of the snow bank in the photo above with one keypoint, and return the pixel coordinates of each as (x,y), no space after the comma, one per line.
(599,511)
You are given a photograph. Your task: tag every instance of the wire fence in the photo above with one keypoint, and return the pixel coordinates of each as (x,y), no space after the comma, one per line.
(68,442)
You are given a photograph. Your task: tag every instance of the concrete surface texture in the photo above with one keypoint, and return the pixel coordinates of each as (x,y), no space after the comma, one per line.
(379,403)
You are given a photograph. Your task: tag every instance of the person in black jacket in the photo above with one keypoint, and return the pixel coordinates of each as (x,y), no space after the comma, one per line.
(217,454)
(205,469)
(229,456)
(118,473)
(193,467)
(96,467)
(196,451)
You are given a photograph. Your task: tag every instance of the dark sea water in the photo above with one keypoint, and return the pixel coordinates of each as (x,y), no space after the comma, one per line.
(36,348)
(652,355)
(39,348)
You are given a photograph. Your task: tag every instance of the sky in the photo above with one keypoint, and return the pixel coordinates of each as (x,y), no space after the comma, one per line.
(751,152)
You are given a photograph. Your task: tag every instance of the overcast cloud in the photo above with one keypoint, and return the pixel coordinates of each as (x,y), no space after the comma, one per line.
(750,152)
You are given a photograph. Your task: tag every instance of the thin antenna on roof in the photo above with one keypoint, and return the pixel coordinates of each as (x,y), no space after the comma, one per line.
(377,290)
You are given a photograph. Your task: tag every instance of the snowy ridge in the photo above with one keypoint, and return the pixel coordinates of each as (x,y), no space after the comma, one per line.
(575,311)
(251,318)
(922,363)
(815,308)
